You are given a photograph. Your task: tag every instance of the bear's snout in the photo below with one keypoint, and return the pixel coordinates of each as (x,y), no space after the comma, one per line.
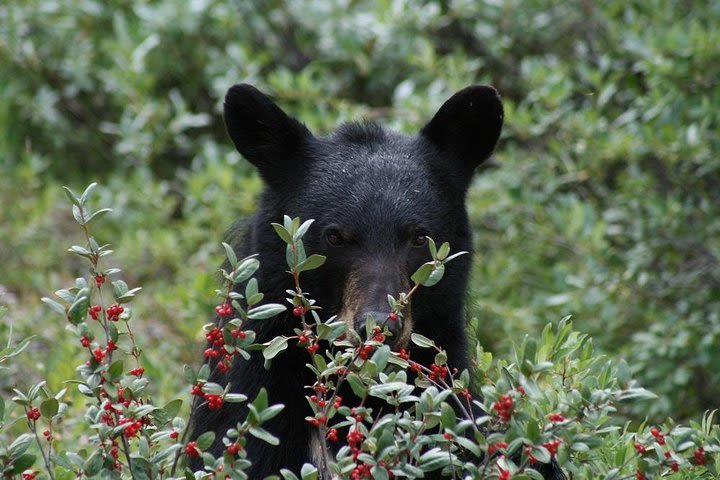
(381,318)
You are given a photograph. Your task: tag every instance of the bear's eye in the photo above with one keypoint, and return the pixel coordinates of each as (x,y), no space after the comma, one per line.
(334,237)
(419,238)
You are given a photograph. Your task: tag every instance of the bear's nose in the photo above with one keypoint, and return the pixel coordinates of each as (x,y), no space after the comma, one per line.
(381,318)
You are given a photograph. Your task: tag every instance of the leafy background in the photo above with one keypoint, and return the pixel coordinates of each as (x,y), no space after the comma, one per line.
(602,201)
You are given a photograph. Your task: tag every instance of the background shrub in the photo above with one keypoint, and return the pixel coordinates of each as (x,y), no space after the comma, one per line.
(604,203)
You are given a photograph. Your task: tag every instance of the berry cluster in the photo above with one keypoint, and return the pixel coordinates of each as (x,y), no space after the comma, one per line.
(33,414)
(659,436)
(364,351)
(552,446)
(94,311)
(504,406)
(114,311)
(215,401)
(438,372)
(192,450)
(224,310)
(496,447)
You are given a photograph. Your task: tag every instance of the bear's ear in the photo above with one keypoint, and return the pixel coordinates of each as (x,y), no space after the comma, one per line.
(467,126)
(262,132)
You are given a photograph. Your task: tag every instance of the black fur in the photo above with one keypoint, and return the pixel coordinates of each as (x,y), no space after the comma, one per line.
(378,188)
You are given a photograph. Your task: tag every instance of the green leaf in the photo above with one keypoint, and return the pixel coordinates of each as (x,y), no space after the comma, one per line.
(235,398)
(357,385)
(54,305)
(71,196)
(422,273)
(93,464)
(246,269)
(443,252)
(264,435)
(261,401)
(309,472)
(283,233)
(435,275)
(277,345)
(421,340)
(49,407)
(98,214)
(287,474)
(172,408)
(533,430)
(115,370)
(141,469)
(266,311)
(212,388)
(300,232)
(311,263)
(432,247)
(20,463)
(448,419)
(86,194)
(230,254)
(205,440)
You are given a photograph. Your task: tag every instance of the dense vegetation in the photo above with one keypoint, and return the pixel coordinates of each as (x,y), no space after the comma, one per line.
(603,204)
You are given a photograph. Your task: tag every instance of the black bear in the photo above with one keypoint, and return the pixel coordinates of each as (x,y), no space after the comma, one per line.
(376,196)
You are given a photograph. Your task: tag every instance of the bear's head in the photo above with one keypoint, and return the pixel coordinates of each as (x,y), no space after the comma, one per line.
(376,196)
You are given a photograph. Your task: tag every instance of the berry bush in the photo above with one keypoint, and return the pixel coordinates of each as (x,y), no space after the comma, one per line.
(555,399)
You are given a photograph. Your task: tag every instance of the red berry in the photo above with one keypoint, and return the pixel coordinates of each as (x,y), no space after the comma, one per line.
(556,418)
(215,402)
(94,311)
(313,348)
(332,435)
(191,449)
(504,474)
(655,432)
(447,436)
(699,455)
(33,413)
(234,449)
(674,466)
(640,448)
(174,435)
(138,372)
(494,447)
(404,354)
(639,475)
(99,279)
(392,317)
(29,475)
(197,390)
(298,311)
(85,341)
(111,346)
(98,355)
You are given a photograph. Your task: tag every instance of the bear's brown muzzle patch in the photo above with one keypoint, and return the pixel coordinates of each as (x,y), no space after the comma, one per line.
(365,293)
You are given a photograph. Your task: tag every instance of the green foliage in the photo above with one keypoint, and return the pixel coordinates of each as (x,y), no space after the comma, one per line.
(557,400)
(604,204)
